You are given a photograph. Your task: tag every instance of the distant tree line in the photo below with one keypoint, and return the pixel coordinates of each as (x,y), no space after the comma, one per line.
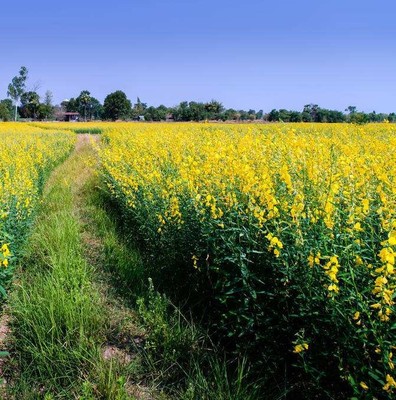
(27,103)
(314,113)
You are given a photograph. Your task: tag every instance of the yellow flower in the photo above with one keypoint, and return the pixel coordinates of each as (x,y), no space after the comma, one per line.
(5,250)
(314,259)
(387,255)
(390,383)
(358,260)
(358,227)
(333,288)
(365,204)
(195,261)
(392,238)
(300,348)
(364,385)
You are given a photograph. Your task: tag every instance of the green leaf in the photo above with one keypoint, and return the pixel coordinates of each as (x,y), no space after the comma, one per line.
(3,291)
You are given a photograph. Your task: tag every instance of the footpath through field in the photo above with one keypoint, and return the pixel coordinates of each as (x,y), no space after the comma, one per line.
(66,323)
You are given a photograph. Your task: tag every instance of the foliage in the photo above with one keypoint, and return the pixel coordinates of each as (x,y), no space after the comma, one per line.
(171,339)
(30,103)
(89,107)
(138,109)
(282,236)
(187,365)
(310,113)
(32,108)
(117,106)
(6,110)
(155,114)
(197,111)
(17,87)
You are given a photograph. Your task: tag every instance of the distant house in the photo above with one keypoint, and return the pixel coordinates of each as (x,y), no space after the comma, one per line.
(169,118)
(139,118)
(71,116)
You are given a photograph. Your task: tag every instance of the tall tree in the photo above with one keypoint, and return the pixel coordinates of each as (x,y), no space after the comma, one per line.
(138,109)
(312,110)
(84,101)
(46,109)
(95,109)
(48,97)
(351,109)
(273,115)
(85,104)
(17,87)
(213,109)
(30,102)
(117,106)
(392,117)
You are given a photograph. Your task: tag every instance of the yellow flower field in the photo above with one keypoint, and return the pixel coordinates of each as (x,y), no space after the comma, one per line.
(27,156)
(288,231)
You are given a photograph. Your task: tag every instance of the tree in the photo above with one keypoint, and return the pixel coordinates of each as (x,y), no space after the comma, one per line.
(46,110)
(84,101)
(306,116)
(138,109)
(214,109)
(70,105)
(335,116)
(95,109)
(84,104)
(182,112)
(312,110)
(260,114)
(295,116)
(30,103)
(117,106)
(351,109)
(6,107)
(273,115)
(252,114)
(17,87)
(230,114)
(284,115)
(155,114)
(197,111)
(358,118)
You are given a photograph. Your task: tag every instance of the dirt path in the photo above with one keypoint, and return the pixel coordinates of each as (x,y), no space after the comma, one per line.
(122,332)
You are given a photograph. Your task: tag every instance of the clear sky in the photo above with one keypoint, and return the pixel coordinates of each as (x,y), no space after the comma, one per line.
(246,54)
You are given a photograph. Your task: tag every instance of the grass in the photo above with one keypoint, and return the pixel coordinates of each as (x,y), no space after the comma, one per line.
(92,131)
(59,315)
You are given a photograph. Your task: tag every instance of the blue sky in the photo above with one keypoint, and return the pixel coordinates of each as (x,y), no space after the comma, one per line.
(246,54)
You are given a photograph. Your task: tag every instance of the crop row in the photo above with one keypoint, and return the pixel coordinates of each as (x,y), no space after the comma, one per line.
(27,156)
